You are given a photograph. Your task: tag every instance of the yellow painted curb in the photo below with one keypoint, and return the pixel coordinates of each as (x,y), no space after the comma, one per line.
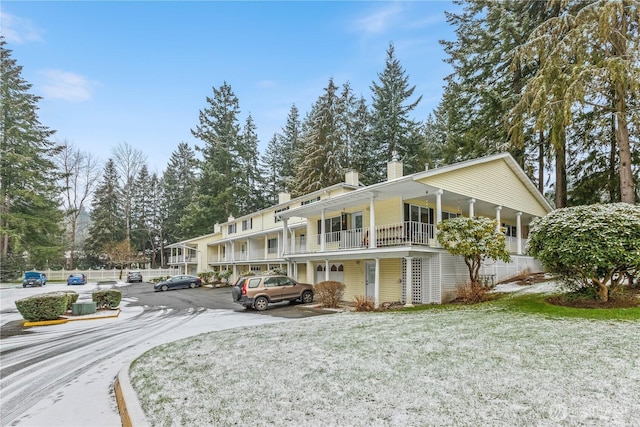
(73,319)
(122,405)
(45,322)
(69,319)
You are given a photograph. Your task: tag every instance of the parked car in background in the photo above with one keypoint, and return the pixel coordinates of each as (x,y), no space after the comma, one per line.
(134,276)
(77,279)
(34,278)
(178,282)
(258,291)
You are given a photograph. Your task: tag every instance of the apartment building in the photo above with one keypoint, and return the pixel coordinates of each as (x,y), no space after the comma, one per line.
(380,240)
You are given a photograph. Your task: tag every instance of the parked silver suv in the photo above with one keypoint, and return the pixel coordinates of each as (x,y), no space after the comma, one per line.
(258,291)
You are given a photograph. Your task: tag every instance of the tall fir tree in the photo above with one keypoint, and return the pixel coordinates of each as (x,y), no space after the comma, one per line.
(324,153)
(271,166)
(393,129)
(179,186)
(219,130)
(290,146)
(108,224)
(248,195)
(142,212)
(29,196)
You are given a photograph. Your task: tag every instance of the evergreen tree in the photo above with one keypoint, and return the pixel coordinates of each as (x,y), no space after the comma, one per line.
(142,212)
(29,197)
(324,153)
(158,217)
(179,186)
(219,129)
(361,151)
(108,224)
(290,149)
(393,129)
(128,162)
(270,164)
(587,54)
(248,195)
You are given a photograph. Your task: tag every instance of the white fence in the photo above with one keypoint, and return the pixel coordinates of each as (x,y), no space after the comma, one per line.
(99,275)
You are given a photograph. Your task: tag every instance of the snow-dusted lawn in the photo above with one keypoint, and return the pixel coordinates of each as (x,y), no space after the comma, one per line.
(469,367)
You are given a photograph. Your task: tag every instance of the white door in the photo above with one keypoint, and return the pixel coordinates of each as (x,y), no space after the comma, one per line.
(370,279)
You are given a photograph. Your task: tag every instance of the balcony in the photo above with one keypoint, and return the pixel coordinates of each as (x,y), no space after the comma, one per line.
(400,234)
(181,259)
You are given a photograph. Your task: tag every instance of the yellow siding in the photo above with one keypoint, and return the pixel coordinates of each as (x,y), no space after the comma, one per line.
(389,211)
(493,182)
(390,280)
(353,280)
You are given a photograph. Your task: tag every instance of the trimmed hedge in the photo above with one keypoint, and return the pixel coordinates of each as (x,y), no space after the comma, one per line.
(49,306)
(108,298)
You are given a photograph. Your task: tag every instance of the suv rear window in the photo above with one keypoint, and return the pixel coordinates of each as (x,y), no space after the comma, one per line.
(254,283)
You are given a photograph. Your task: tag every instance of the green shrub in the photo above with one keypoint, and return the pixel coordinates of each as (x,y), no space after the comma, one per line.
(329,293)
(72,297)
(49,306)
(107,298)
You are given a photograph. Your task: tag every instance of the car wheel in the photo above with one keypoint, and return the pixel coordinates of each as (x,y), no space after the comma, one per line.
(307,297)
(261,303)
(164,288)
(24,286)
(192,285)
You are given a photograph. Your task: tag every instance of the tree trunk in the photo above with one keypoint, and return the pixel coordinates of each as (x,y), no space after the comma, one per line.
(561,169)
(541,162)
(611,187)
(619,43)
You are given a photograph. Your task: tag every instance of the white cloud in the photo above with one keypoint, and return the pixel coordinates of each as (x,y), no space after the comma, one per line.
(18,30)
(66,85)
(378,21)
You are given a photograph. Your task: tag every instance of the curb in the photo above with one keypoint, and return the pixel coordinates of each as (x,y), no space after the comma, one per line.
(65,319)
(129,407)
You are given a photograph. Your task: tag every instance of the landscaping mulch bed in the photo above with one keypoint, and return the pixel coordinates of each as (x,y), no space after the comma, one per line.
(630,298)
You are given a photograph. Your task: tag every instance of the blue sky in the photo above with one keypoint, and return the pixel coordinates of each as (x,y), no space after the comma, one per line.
(139,72)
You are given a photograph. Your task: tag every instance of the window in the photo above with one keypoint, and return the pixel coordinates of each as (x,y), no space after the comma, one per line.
(254,283)
(332,227)
(232,228)
(510,230)
(272,246)
(449,215)
(247,224)
(421,214)
(306,202)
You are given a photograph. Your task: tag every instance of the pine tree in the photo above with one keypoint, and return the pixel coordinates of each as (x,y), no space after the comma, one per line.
(142,212)
(219,129)
(393,129)
(108,224)
(588,55)
(179,186)
(290,148)
(361,151)
(324,150)
(249,197)
(270,164)
(29,197)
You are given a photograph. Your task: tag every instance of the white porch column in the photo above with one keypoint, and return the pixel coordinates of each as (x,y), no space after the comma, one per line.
(219,249)
(498,209)
(322,236)
(372,222)
(311,272)
(248,249)
(326,270)
(285,236)
(519,233)
(266,246)
(409,282)
(439,193)
(233,251)
(471,212)
(376,287)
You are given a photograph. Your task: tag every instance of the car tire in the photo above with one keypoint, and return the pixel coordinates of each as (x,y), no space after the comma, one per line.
(307,297)
(260,303)
(24,286)
(164,288)
(192,285)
